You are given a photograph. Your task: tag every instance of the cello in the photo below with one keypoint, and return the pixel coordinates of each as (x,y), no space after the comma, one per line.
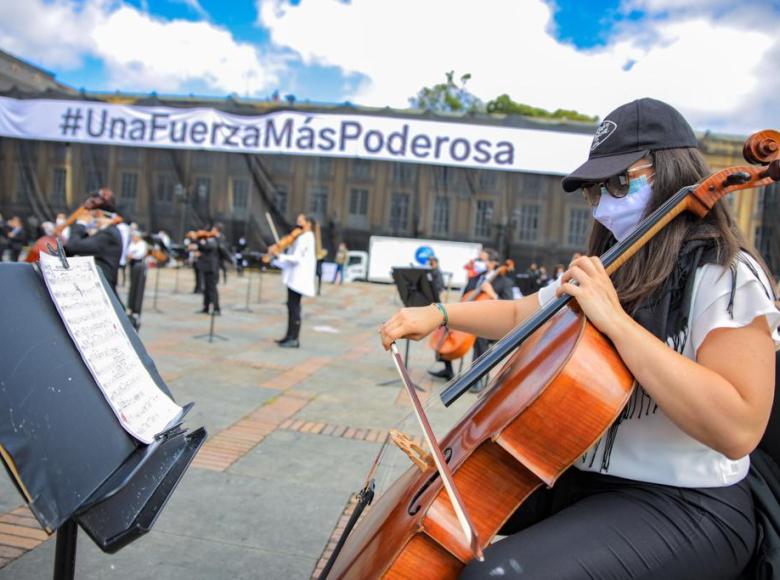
(520,435)
(454,344)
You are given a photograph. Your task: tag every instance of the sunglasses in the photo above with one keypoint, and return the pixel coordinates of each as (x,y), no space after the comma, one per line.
(616,186)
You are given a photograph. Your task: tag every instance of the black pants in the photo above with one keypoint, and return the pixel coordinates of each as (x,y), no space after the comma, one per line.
(293,314)
(135,297)
(597,526)
(210,294)
(198,279)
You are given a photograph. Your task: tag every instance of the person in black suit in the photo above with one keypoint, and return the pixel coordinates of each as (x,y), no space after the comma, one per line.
(17,238)
(500,288)
(105,244)
(207,249)
(223,253)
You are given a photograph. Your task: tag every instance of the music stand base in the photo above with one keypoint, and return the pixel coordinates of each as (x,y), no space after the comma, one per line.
(246,308)
(156,288)
(210,334)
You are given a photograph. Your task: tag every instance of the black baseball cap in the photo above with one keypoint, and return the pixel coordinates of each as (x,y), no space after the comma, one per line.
(626,135)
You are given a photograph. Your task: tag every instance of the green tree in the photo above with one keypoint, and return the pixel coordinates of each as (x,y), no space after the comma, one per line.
(448,97)
(506,106)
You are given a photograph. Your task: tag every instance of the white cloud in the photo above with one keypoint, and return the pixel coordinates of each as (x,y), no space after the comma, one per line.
(140,52)
(710,68)
(173,53)
(55,34)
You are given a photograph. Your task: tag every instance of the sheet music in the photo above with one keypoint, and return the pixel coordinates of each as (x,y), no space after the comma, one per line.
(141,407)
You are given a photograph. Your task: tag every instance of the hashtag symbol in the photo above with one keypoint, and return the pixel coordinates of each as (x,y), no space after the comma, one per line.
(71,122)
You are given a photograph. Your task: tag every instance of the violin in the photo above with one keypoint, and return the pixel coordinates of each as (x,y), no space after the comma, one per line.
(454,344)
(101,199)
(202,234)
(280,246)
(560,390)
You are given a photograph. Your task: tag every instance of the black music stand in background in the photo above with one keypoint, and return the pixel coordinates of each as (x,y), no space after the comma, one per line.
(54,421)
(210,334)
(415,289)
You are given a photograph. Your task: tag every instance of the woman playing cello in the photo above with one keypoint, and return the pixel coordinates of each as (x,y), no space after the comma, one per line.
(692,315)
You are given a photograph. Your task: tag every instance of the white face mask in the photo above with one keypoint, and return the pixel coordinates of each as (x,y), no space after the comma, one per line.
(621,214)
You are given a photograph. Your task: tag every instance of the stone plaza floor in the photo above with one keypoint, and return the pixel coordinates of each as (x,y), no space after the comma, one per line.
(292,433)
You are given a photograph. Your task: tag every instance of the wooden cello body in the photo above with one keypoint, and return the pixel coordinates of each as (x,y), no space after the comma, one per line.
(552,400)
(561,388)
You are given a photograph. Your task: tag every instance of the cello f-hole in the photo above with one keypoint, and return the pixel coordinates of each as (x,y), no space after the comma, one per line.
(415,507)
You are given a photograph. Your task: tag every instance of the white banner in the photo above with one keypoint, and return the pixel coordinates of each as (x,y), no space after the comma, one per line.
(297,133)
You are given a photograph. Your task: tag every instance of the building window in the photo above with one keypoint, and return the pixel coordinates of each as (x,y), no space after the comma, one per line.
(24,185)
(488,180)
(202,191)
(59,179)
(164,190)
(281,200)
(202,160)
(484,218)
(358,202)
(527,216)
(403,173)
(280,164)
(130,155)
(94,180)
(399,211)
(321,167)
(240,194)
(441,216)
(579,221)
(318,202)
(27,152)
(59,152)
(129,189)
(532,184)
(361,170)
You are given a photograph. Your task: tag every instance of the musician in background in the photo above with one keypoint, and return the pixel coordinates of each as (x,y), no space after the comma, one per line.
(298,265)
(206,248)
(136,261)
(500,288)
(105,244)
(437,283)
(692,314)
(17,238)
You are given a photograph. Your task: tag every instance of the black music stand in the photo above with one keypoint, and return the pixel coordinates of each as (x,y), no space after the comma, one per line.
(54,421)
(415,289)
(210,334)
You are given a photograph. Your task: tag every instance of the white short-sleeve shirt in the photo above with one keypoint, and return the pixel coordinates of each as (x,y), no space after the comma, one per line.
(648,446)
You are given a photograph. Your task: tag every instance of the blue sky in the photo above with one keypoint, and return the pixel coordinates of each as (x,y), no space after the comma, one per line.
(583,24)
(590,56)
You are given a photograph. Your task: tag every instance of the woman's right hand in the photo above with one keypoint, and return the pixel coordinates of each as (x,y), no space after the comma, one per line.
(414,323)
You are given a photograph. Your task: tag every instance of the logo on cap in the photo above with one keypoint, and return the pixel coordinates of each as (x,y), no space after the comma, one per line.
(602,133)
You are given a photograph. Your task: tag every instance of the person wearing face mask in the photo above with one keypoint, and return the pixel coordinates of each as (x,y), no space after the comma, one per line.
(692,314)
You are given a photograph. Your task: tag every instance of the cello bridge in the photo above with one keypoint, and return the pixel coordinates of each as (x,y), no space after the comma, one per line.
(413,450)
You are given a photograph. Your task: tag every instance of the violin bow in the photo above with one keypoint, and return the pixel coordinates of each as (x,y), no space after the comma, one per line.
(272,226)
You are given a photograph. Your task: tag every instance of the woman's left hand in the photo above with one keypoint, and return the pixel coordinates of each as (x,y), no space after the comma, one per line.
(594,293)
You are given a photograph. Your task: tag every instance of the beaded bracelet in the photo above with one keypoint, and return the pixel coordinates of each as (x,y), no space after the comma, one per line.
(443,313)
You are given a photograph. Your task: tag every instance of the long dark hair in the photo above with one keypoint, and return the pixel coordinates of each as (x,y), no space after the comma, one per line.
(647,270)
